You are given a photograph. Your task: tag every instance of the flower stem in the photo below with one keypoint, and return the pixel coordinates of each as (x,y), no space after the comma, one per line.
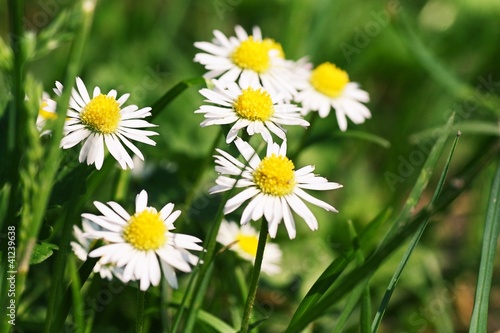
(139,321)
(199,176)
(254,281)
(70,217)
(30,226)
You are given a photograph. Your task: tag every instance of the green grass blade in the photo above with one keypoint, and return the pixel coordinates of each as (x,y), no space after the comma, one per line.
(77,297)
(422,181)
(479,320)
(466,127)
(333,271)
(358,292)
(355,134)
(413,243)
(365,310)
(172,93)
(400,229)
(83,274)
(214,322)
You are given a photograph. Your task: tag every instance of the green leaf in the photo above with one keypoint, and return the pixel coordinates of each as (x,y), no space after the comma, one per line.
(41,252)
(173,93)
(364,136)
(325,295)
(466,127)
(335,269)
(479,320)
(83,274)
(327,137)
(413,243)
(214,322)
(357,293)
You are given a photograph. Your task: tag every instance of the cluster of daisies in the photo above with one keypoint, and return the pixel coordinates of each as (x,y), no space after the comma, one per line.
(254,89)
(257,90)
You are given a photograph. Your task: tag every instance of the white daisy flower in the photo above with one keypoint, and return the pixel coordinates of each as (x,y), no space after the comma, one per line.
(82,246)
(244,240)
(328,86)
(46,112)
(142,243)
(273,184)
(248,58)
(248,106)
(101,120)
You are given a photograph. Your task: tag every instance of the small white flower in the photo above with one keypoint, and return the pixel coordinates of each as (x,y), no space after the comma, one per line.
(248,106)
(243,240)
(82,246)
(142,243)
(101,120)
(273,185)
(328,86)
(249,58)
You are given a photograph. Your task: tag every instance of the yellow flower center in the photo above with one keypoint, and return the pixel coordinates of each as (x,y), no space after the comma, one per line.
(273,45)
(145,230)
(252,54)
(275,175)
(248,244)
(101,114)
(47,115)
(329,79)
(254,104)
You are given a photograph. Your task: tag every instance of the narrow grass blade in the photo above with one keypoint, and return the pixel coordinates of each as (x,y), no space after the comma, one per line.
(30,228)
(422,180)
(172,93)
(357,293)
(333,271)
(411,246)
(214,322)
(77,298)
(400,229)
(364,136)
(479,320)
(83,274)
(466,127)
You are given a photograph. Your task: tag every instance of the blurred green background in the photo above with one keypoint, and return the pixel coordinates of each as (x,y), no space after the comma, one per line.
(147,47)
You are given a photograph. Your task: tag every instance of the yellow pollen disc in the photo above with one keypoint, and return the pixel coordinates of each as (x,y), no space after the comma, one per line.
(252,54)
(275,175)
(145,230)
(273,45)
(329,79)
(254,104)
(47,115)
(248,244)
(101,115)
